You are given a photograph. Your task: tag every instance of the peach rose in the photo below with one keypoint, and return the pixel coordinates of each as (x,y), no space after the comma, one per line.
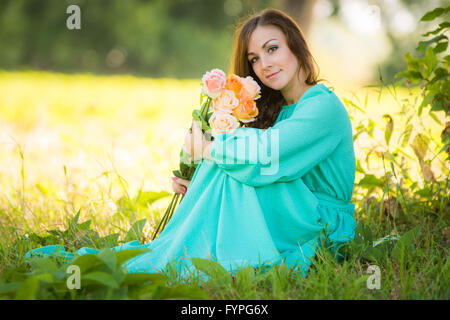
(222,122)
(246,111)
(225,102)
(213,82)
(250,89)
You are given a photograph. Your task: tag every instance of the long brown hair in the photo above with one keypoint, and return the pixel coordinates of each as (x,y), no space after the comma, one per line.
(271,101)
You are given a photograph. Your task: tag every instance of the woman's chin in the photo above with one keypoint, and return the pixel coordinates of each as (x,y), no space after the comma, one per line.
(272,85)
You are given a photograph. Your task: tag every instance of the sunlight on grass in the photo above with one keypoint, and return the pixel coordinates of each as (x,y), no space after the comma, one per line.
(89,140)
(81,133)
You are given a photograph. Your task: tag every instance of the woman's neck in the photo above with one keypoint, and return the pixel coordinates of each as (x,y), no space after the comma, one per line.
(295,89)
(295,95)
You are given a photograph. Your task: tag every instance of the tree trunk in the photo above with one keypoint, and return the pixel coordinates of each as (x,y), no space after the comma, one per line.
(300,10)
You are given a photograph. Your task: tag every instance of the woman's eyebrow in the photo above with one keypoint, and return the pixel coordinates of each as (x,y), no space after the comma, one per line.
(262,46)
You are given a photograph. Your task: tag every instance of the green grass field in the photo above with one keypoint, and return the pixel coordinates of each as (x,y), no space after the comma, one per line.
(105,147)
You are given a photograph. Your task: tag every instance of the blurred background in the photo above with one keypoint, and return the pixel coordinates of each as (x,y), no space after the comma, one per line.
(90,118)
(351,39)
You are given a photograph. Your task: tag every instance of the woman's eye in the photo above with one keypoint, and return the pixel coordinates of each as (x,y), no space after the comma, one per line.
(252,61)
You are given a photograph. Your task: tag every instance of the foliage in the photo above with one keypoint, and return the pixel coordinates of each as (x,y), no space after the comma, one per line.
(430,71)
(102,277)
(154,38)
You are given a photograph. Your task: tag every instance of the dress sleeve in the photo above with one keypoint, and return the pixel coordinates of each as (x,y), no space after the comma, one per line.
(287,150)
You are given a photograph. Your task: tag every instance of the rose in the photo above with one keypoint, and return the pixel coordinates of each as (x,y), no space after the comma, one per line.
(250,88)
(234,83)
(225,102)
(222,122)
(246,111)
(213,82)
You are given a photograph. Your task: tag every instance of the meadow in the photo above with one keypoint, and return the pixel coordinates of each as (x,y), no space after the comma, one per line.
(86,161)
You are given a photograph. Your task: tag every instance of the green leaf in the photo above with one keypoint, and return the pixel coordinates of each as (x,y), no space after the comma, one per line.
(43,264)
(413,63)
(28,289)
(99,278)
(407,134)
(370,181)
(442,26)
(389,128)
(431,62)
(148,197)
(87,262)
(84,226)
(212,269)
(439,74)
(413,76)
(406,243)
(197,116)
(433,14)
(74,222)
(440,47)
(359,168)
(9,287)
(447,59)
(420,146)
(109,258)
(135,231)
(110,240)
(434,117)
(125,255)
(351,103)
(363,234)
(424,193)
(425,44)
(45,277)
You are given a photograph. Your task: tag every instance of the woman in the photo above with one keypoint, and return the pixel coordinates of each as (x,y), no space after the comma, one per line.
(265,193)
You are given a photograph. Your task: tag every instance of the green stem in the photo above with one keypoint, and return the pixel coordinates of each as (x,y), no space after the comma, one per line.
(164,218)
(190,172)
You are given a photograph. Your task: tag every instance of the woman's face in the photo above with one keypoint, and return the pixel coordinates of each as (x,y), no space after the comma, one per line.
(272,60)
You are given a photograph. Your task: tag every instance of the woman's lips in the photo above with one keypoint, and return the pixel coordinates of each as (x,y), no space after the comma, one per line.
(273,75)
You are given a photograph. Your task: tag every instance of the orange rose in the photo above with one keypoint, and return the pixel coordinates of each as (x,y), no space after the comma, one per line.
(246,111)
(234,83)
(222,122)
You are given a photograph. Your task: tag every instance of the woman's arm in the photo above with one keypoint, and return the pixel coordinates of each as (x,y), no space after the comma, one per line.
(287,150)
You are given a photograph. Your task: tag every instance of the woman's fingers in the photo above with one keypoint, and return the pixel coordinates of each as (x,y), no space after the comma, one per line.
(180,185)
(178,188)
(194,142)
(184,182)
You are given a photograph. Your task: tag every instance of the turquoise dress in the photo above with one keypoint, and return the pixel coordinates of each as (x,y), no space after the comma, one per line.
(267,196)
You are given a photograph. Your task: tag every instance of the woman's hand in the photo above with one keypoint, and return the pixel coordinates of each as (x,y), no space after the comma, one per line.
(195,143)
(180,185)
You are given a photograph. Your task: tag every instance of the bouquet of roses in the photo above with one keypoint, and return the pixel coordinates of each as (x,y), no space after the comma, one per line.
(226,103)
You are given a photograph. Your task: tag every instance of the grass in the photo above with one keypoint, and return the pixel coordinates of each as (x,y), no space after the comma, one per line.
(87,161)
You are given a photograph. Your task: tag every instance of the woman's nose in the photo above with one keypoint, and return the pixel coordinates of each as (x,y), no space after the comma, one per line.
(266,63)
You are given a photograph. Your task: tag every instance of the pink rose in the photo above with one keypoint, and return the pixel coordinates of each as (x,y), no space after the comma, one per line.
(251,88)
(222,122)
(225,102)
(213,82)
